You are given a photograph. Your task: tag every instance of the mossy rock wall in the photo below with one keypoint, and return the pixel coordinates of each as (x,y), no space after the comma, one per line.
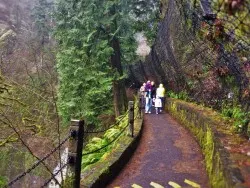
(210,132)
(102,172)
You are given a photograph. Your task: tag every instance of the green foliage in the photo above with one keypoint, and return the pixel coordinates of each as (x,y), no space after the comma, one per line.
(3,181)
(183,95)
(17,161)
(42,15)
(146,14)
(105,142)
(94,157)
(240,118)
(85,32)
(4,160)
(68,182)
(28,109)
(240,25)
(40,171)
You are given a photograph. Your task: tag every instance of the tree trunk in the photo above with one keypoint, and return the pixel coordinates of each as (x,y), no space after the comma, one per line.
(119,93)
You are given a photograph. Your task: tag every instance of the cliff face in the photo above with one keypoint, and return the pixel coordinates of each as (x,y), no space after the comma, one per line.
(16,29)
(15,17)
(19,61)
(195,52)
(162,64)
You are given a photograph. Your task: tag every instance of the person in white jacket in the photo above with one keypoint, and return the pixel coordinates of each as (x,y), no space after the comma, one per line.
(158,104)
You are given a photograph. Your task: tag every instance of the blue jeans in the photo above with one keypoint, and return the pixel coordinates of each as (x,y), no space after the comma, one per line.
(148,104)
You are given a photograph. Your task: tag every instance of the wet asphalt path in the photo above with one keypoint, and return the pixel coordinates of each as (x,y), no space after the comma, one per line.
(166,153)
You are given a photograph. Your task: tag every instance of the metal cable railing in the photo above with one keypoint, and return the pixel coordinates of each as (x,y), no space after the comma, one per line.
(104,130)
(38,162)
(101,148)
(117,137)
(55,174)
(73,134)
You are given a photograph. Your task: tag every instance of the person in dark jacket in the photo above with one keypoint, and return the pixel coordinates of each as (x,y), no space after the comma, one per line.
(148,95)
(148,86)
(148,106)
(153,92)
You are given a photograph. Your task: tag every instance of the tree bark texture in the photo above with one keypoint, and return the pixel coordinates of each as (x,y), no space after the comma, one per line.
(119,93)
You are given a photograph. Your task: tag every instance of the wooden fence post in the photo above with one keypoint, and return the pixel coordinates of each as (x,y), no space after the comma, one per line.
(75,151)
(131,117)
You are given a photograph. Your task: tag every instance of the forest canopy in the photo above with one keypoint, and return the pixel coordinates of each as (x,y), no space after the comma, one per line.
(96,40)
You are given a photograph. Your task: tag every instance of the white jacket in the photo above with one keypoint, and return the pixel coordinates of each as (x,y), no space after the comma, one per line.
(158,103)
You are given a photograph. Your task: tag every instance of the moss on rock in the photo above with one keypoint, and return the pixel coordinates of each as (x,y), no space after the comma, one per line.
(210,131)
(100,173)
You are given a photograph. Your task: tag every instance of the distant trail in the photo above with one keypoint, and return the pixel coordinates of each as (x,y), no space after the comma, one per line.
(166,156)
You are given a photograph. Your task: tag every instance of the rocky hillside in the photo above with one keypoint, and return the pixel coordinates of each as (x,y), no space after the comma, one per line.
(21,36)
(15,29)
(25,83)
(15,18)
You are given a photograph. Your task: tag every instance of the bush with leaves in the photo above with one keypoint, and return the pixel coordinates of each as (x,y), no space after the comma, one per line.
(239,116)
(107,142)
(3,181)
(181,95)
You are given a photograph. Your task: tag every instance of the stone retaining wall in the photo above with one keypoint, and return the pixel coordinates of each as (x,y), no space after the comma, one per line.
(102,172)
(217,143)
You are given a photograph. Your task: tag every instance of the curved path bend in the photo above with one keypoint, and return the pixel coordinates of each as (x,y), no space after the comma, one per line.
(167,155)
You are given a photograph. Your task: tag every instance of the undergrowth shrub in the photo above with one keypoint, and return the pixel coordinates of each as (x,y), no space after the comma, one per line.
(183,95)
(106,142)
(3,181)
(240,117)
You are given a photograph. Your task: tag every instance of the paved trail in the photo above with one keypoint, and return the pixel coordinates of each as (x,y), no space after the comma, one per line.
(167,153)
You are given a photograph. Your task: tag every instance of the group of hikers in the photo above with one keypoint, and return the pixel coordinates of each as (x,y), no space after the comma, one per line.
(152,96)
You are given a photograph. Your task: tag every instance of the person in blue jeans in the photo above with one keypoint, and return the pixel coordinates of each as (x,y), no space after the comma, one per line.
(148,102)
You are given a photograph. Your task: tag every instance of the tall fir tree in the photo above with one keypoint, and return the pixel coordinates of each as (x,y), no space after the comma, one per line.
(89,61)
(94,37)
(43,18)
